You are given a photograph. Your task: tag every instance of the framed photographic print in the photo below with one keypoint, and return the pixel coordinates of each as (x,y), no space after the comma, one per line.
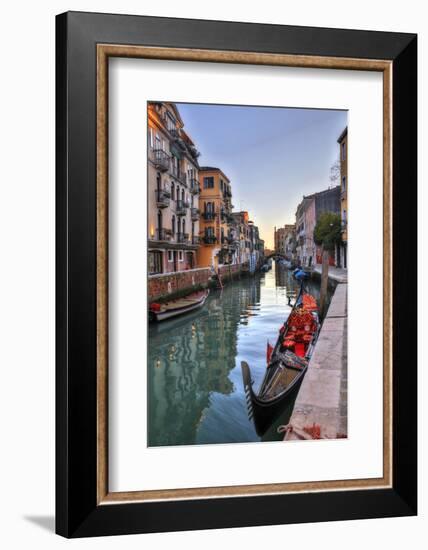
(236,254)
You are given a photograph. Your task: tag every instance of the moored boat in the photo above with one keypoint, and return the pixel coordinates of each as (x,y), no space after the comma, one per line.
(287,363)
(161,312)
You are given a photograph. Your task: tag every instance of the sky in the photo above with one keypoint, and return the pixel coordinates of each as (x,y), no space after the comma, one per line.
(272,155)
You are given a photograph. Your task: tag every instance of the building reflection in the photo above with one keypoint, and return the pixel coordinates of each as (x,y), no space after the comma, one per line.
(190,360)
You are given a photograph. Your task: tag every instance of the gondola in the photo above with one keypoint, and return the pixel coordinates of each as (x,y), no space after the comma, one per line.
(287,364)
(161,312)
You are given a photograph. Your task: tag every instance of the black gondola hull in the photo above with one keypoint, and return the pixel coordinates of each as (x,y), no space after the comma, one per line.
(265,412)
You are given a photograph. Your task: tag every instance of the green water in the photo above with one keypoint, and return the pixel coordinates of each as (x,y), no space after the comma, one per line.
(196,393)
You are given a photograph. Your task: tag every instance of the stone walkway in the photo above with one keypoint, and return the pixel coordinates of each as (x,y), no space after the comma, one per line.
(322,399)
(337,274)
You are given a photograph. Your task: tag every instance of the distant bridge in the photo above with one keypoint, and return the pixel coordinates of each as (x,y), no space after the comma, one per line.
(276,256)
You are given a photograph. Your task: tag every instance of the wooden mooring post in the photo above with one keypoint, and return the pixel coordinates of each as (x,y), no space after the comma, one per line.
(324,282)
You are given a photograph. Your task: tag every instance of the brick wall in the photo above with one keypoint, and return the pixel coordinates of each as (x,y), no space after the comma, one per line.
(162,285)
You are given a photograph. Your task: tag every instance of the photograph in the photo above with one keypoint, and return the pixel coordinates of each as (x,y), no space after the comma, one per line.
(247,273)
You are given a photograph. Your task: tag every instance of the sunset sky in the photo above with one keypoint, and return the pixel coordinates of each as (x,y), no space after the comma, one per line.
(273,156)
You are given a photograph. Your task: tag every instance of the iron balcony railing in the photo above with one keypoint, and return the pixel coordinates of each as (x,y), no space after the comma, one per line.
(180,176)
(181,207)
(162,198)
(164,234)
(194,214)
(183,238)
(209,238)
(208,215)
(194,186)
(161,159)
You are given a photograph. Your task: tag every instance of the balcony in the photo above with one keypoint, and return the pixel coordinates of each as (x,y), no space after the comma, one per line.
(162,198)
(194,186)
(181,207)
(161,160)
(180,176)
(164,234)
(195,239)
(183,238)
(208,215)
(209,238)
(194,214)
(225,242)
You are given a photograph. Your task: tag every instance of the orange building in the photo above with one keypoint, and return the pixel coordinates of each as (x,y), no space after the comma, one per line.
(215,204)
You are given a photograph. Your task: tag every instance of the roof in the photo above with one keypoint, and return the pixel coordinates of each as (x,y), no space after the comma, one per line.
(342,135)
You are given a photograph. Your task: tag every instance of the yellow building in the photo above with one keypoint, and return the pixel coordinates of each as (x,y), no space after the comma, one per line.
(343,145)
(215,215)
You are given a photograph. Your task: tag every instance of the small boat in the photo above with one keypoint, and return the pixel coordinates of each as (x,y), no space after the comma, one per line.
(287,364)
(300,274)
(161,312)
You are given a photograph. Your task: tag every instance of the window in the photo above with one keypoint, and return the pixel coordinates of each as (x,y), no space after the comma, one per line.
(151,137)
(344,216)
(170,121)
(155,262)
(221,185)
(170,256)
(343,184)
(180,255)
(172,227)
(209,182)
(343,148)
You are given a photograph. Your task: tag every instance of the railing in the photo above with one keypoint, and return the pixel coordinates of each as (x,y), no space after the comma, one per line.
(162,198)
(161,159)
(181,207)
(181,176)
(194,214)
(183,238)
(194,186)
(208,215)
(164,234)
(209,239)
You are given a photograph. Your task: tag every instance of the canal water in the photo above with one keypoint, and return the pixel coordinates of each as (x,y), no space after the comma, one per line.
(195,388)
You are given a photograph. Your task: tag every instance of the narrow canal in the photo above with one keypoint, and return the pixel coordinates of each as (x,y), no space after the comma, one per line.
(196,393)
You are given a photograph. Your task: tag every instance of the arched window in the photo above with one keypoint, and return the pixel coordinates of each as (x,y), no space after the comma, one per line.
(182,194)
(160,231)
(173,225)
(158,181)
(178,193)
(172,190)
(184,226)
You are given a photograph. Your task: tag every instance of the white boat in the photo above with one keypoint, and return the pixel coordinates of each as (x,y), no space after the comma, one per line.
(161,312)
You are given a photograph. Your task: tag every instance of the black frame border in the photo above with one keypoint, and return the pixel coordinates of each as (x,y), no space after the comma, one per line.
(77,513)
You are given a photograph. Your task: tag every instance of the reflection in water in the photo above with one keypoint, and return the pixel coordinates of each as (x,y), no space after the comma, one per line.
(196,394)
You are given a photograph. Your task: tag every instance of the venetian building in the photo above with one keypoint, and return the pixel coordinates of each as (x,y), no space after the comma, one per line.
(173,192)
(343,147)
(215,218)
